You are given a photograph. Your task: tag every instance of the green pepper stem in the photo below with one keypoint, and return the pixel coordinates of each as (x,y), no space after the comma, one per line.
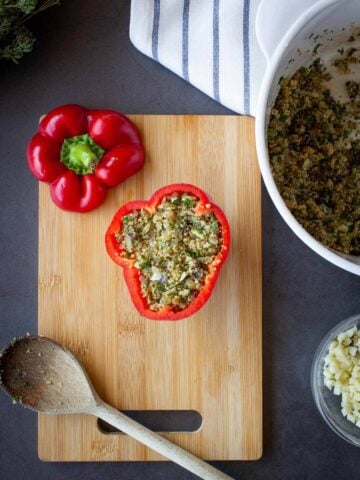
(81,154)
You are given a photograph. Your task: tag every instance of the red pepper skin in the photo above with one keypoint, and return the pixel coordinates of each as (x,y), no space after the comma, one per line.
(131,273)
(43,158)
(120,163)
(64,122)
(109,129)
(114,132)
(77,193)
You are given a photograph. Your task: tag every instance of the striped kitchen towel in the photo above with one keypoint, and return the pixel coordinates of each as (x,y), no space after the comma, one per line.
(210,43)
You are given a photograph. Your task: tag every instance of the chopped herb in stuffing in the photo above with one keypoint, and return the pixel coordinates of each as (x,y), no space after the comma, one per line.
(343,63)
(352,88)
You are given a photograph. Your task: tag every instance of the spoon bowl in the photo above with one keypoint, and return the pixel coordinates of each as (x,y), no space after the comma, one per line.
(44,376)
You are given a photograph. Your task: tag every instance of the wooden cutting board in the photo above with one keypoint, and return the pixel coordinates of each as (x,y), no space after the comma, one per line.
(211,362)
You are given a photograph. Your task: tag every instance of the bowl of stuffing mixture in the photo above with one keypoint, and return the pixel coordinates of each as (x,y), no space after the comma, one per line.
(335,379)
(308,130)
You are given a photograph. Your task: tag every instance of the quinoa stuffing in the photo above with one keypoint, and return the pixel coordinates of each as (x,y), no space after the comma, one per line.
(172,249)
(314,148)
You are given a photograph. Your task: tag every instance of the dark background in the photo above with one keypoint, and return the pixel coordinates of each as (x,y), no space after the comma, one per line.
(84,55)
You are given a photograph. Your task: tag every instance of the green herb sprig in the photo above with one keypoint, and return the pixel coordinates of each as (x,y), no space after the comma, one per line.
(15,38)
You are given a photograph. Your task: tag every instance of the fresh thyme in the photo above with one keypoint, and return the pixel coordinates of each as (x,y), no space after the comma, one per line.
(15,37)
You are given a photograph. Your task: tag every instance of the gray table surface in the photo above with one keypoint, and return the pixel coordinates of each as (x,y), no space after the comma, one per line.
(84,55)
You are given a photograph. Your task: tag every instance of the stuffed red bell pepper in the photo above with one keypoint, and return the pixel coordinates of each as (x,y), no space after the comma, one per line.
(171,249)
(81,153)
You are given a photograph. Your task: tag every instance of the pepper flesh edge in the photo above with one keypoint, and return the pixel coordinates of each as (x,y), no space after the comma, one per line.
(131,273)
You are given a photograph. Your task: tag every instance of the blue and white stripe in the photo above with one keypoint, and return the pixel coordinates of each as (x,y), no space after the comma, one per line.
(185,40)
(216,50)
(155,31)
(210,43)
(246,46)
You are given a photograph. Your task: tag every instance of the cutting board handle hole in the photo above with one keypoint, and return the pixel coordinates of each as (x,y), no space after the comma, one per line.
(159,421)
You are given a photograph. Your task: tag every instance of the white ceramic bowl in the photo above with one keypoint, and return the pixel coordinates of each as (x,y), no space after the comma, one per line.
(285,53)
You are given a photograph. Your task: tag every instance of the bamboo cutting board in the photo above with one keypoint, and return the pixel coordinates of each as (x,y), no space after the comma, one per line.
(211,362)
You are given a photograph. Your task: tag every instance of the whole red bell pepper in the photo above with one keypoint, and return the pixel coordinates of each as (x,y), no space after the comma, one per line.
(132,274)
(81,153)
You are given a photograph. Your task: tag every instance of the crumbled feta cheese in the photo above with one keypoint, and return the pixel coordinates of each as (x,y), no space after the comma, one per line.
(342,372)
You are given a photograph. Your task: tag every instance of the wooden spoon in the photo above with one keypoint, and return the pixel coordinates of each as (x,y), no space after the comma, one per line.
(42,375)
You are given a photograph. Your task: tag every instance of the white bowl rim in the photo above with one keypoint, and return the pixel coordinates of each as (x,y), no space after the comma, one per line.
(261,145)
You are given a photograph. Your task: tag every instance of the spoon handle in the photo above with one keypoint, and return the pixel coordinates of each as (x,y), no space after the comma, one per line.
(158,443)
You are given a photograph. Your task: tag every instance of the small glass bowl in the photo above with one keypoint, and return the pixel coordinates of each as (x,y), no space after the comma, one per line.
(329,405)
